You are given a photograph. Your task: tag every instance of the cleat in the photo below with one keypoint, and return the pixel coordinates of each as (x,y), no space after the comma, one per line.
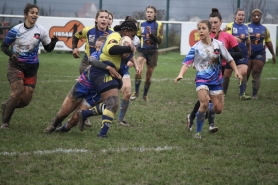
(62,129)
(255,97)
(189,124)
(145,99)
(4,126)
(123,123)
(87,123)
(134,96)
(198,135)
(213,128)
(102,136)
(81,121)
(245,97)
(50,129)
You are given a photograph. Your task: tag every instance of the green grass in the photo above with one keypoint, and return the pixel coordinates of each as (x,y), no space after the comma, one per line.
(156,149)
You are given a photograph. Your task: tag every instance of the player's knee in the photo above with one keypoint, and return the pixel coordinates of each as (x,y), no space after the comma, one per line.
(112,103)
(204,106)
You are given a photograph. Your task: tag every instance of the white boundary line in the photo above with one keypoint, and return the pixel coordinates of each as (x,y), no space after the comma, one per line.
(60,150)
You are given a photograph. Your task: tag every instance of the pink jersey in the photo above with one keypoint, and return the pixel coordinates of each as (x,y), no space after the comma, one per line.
(228,40)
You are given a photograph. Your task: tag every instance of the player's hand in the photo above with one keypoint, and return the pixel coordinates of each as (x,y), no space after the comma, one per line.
(75,53)
(105,34)
(54,39)
(138,70)
(178,79)
(239,76)
(15,61)
(273,59)
(113,72)
(130,64)
(149,29)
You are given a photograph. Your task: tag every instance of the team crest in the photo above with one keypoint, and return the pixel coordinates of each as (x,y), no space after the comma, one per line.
(37,35)
(250,30)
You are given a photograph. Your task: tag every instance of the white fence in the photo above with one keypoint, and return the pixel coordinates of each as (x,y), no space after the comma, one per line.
(64,27)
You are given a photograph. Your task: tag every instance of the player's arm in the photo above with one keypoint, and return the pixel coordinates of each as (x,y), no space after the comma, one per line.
(236,53)
(49,47)
(95,63)
(117,49)
(183,70)
(269,45)
(226,55)
(157,36)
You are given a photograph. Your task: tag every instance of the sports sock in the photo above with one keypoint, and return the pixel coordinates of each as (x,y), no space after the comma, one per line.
(146,88)
(242,87)
(195,110)
(96,110)
(137,84)
(200,118)
(211,114)
(107,118)
(226,84)
(123,109)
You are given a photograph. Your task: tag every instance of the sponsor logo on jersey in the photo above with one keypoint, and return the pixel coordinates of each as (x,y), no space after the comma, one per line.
(235,30)
(65,33)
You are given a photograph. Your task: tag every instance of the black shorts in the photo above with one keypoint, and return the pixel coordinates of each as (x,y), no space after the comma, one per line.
(151,56)
(22,71)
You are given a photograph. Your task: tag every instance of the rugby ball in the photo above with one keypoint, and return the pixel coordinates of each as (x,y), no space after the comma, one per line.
(125,41)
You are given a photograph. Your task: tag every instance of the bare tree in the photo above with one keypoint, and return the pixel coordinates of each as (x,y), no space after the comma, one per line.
(44,12)
(4,11)
(248,6)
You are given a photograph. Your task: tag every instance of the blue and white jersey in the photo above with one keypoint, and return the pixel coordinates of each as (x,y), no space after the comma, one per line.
(208,61)
(25,42)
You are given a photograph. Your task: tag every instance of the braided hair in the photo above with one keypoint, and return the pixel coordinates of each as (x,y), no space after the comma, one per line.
(216,13)
(129,24)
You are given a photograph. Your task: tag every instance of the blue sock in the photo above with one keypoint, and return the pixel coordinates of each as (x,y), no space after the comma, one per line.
(64,129)
(123,109)
(137,84)
(211,114)
(200,118)
(104,129)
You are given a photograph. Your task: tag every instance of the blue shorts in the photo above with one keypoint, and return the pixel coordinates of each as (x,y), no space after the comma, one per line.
(90,95)
(238,62)
(259,56)
(213,89)
(103,81)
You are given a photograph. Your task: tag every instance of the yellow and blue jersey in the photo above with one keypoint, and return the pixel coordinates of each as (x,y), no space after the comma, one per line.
(259,35)
(91,34)
(240,31)
(146,42)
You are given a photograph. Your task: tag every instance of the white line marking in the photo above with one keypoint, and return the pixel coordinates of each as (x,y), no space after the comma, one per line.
(60,150)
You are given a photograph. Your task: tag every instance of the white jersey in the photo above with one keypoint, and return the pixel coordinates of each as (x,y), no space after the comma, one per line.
(208,61)
(25,42)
